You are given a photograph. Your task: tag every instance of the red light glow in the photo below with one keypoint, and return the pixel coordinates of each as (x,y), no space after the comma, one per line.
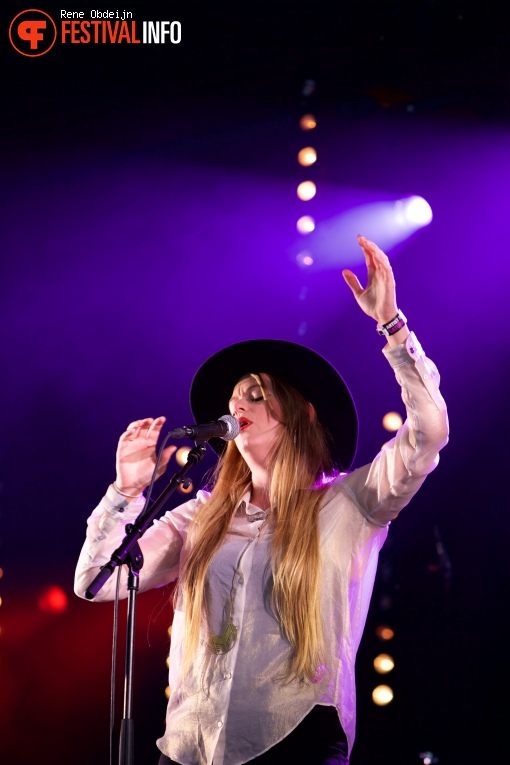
(53,600)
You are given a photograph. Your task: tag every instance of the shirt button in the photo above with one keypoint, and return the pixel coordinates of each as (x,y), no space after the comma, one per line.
(241,580)
(220,724)
(425,377)
(227,675)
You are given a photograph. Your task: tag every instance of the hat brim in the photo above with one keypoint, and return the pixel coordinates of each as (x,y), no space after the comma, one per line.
(314,377)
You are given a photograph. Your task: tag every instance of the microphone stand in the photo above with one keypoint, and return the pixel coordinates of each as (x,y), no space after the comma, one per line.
(130,553)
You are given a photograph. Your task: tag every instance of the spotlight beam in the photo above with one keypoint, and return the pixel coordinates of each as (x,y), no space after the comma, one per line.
(333,242)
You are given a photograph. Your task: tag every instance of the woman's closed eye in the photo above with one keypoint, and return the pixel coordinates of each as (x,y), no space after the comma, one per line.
(253,395)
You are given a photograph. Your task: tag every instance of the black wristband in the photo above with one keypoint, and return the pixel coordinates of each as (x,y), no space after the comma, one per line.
(392,326)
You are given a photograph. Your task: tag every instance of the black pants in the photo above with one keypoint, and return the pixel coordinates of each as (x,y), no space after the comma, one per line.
(318,740)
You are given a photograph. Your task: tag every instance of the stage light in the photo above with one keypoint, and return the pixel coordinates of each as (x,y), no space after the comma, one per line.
(418,211)
(388,223)
(307,122)
(384,632)
(1,572)
(167,691)
(306,190)
(170,631)
(309,87)
(383,663)
(186,489)
(307,156)
(305,224)
(0,600)
(181,455)
(392,421)
(304,259)
(414,210)
(53,600)
(428,758)
(382,695)
(167,662)
(385,602)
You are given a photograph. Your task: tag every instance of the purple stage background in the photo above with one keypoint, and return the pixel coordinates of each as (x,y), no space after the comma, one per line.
(148,219)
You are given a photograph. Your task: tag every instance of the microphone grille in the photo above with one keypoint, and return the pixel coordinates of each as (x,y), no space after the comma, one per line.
(233,427)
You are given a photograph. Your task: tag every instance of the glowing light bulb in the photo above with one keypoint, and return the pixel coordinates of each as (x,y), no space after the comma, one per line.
(167,691)
(382,695)
(186,489)
(306,190)
(309,87)
(53,600)
(383,663)
(384,632)
(417,210)
(304,259)
(307,156)
(181,455)
(307,122)
(392,421)
(306,224)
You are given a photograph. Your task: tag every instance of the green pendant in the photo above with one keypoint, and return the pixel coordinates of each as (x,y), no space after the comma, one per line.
(225,642)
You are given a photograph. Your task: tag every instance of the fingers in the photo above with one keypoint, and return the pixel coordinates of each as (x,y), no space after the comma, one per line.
(165,459)
(136,453)
(374,256)
(167,454)
(368,250)
(380,273)
(155,427)
(379,300)
(143,428)
(353,282)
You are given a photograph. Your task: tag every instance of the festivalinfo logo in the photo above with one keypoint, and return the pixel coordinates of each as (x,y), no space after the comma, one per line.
(33,32)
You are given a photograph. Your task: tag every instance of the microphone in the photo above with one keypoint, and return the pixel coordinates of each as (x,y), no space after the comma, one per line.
(227,428)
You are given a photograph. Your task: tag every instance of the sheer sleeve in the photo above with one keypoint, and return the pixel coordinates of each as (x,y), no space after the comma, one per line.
(161,545)
(381,489)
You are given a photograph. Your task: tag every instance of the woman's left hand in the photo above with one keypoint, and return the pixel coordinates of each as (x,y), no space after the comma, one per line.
(378,298)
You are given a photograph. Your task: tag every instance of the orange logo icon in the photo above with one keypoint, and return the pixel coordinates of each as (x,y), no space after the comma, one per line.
(32,33)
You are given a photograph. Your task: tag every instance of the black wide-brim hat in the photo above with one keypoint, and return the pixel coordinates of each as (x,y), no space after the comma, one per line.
(314,377)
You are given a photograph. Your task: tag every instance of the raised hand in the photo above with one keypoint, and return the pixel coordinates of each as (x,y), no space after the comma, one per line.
(136,455)
(378,298)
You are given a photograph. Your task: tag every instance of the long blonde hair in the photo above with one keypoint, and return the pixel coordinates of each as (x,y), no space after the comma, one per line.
(296,464)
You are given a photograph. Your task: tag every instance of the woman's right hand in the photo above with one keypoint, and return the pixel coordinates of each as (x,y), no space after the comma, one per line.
(136,455)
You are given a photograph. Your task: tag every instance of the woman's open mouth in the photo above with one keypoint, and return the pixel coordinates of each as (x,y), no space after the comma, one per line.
(244,423)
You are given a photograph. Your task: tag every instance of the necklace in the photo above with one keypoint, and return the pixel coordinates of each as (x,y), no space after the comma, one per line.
(225,641)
